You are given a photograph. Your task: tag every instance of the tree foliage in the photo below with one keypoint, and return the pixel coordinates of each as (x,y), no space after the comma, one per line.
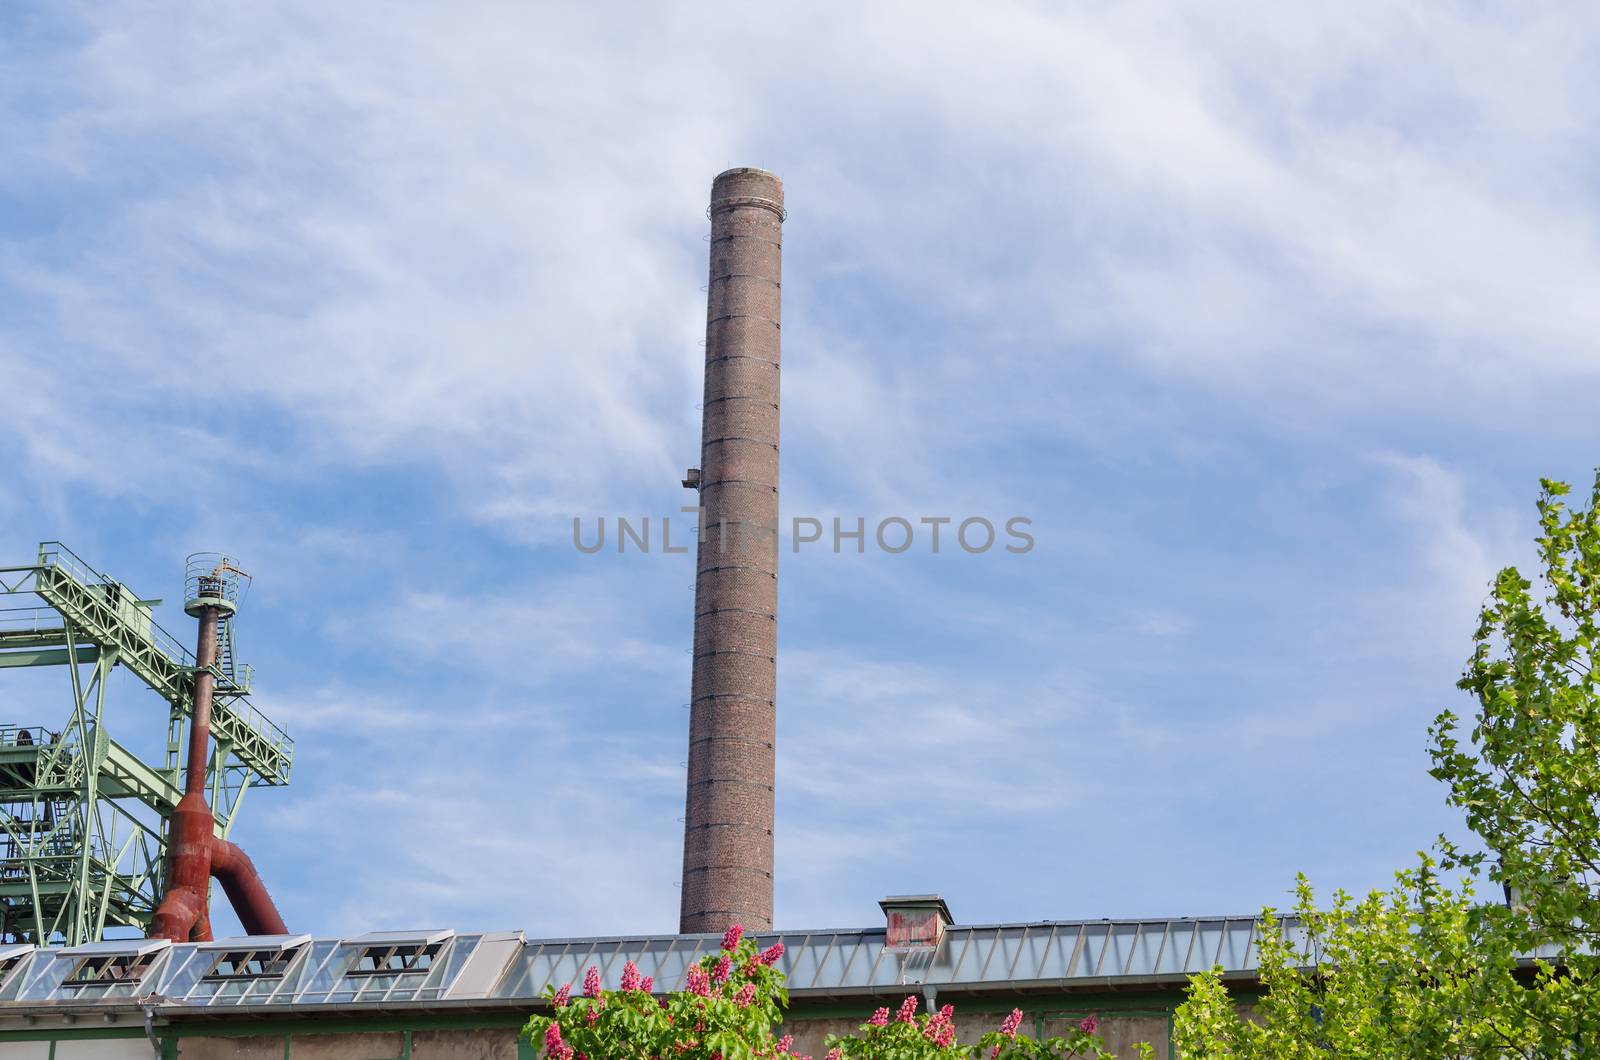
(1435,970)
(732,1009)
(734,999)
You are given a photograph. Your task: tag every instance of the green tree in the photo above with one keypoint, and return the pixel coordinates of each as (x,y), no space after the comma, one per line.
(732,1008)
(1429,969)
(734,1000)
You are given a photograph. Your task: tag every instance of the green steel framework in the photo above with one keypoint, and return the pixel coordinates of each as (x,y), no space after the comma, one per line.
(83,819)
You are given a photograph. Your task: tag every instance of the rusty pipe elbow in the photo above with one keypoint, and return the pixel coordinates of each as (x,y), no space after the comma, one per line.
(232,868)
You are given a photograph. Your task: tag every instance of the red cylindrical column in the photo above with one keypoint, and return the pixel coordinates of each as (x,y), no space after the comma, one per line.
(205,684)
(189,832)
(194,851)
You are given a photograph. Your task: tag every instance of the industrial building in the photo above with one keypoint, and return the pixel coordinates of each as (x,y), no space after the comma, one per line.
(438,995)
(99,841)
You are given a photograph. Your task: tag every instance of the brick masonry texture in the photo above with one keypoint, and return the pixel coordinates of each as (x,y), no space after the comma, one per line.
(727,845)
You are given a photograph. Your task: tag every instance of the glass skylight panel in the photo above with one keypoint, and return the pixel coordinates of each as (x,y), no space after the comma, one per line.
(13,958)
(394,959)
(386,966)
(110,968)
(118,968)
(234,965)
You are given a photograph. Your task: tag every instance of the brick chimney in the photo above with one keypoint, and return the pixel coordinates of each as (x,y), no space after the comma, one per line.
(727,843)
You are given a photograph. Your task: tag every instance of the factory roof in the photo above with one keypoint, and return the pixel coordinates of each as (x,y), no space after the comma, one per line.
(402,969)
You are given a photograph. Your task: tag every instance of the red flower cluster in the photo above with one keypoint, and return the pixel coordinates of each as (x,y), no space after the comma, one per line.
(941,1026)
(680,1022)
(554,1046)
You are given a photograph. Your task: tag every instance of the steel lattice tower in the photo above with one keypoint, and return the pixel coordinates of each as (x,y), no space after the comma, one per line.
(83,820)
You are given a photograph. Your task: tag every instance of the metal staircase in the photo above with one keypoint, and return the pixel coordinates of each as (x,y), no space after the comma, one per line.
(82,818)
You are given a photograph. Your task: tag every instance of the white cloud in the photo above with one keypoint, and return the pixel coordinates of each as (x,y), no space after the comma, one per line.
(1459,545)
(473,240)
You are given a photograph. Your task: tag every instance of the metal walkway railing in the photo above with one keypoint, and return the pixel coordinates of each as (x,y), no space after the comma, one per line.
(106,614)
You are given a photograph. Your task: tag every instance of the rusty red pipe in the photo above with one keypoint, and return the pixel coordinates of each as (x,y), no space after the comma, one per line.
(246,893)
(195,853)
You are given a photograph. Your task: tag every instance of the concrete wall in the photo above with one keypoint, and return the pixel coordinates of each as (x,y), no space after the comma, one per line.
(1123,1021)
(1120,1031)
(79,1048)
(311,1042)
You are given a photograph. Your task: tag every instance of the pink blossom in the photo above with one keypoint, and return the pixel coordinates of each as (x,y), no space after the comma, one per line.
(554,1046)
(1088,1024)
(746,994)
(699,982)
(838,1054)
(785,1043)
(630,976)
(591,982)
(648,984)
(591,1016)
(723,969)
(562,996)
(879,1018)
(731,937)
(908,1009)
(1012,1022)
(770,955)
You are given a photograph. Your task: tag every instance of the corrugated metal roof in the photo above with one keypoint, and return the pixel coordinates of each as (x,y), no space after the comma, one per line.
(384,969)
(859,961)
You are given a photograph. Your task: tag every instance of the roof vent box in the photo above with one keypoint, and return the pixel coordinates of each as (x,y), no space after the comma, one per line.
(914,921)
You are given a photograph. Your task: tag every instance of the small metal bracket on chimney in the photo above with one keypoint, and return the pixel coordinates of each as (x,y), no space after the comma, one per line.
(691,479)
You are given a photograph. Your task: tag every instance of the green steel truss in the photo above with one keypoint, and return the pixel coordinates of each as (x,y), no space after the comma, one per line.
(82,819)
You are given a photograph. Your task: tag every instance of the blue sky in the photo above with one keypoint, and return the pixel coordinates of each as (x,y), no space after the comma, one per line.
(1269,319)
